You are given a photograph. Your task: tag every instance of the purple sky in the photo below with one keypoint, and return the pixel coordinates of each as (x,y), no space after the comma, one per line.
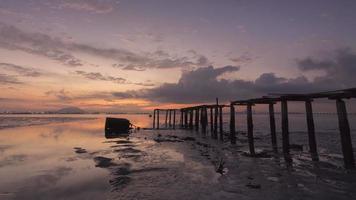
(132,55)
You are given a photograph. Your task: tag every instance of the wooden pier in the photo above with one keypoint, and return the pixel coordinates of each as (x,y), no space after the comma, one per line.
(196,118)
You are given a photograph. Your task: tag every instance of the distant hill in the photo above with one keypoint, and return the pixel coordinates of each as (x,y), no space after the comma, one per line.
(70,110)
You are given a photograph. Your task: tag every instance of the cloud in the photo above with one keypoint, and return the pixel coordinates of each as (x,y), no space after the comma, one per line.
(61,94)
(62,51)
(94,6)
(9,79)
(338,71)
(13,38)
(99,76)
(20,70)
(203,84)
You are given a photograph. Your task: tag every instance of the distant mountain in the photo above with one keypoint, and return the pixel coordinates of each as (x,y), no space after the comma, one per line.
(70,110)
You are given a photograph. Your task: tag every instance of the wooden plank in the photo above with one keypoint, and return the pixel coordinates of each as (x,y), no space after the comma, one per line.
(285,131)
(250,130)
(311,131)
(272,125)
(344,127)
(232,125)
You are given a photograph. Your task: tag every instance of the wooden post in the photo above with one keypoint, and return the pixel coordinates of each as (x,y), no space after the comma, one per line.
(215,135)
(170,118)
(154,120)
(157,119)
(197,119)
(204,116)
(181,119)
(166,122)
(190,119)
(285,130)
(221,130)
(185,118)
(232,124)
(174,119)
(311,130)
(272,125)
(211,120)
(344,127)
(250,129)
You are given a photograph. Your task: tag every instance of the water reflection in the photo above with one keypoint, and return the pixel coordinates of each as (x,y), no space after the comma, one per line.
(74,160)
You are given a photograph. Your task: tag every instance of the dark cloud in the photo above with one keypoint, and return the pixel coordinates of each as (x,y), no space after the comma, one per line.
(338,71)
(99,76)
(204,84)
(9,79)
(245,58)
(24,71)
(62,95)
(123,95)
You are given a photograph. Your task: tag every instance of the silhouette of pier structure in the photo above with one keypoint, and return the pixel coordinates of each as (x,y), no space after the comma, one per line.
(196,117)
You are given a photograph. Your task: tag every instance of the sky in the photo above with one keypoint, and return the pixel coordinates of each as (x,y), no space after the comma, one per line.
(134,55)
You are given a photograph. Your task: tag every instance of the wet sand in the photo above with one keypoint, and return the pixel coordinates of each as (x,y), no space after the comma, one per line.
(73,160)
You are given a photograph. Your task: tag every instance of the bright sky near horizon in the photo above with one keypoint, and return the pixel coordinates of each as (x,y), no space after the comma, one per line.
(132,55)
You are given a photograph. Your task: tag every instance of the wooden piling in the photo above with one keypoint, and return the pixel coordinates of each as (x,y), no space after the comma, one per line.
(211,120)
(311,131)
(174,119)
(272,125)
(157,119)
(166,122)
(185,119)
(215,133)
(221,125)
(250,129)
(204,119)
(232,124)
(285,130)
(344,128)
(191,119)
(154,119)
(181,119)
(170,118)
(197,119)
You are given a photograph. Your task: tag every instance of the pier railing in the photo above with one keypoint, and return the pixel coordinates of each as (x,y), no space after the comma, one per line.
(188,121)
